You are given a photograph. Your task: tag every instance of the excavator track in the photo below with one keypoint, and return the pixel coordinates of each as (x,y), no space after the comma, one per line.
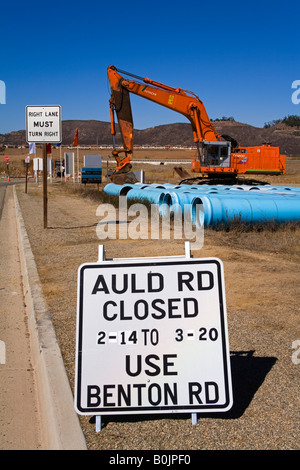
(223,181)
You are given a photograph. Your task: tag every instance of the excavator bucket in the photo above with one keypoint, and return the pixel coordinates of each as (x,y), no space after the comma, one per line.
(122,178)
(181,172)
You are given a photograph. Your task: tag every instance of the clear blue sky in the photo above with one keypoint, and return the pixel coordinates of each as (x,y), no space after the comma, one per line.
(240,59)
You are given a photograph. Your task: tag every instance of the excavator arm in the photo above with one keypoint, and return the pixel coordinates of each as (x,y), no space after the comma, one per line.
(120,104)
(177,99)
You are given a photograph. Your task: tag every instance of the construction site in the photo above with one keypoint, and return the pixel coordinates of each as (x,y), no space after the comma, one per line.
(245,202)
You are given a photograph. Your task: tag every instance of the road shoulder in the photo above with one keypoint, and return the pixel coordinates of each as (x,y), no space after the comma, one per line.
(61,427)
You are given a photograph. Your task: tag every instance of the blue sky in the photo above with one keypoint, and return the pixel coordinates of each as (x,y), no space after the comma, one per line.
(240,59)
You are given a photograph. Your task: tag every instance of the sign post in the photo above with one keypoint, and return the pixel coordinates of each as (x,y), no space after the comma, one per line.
(7,167)
(43,125)
(45,192)
(152,337)
(27,161)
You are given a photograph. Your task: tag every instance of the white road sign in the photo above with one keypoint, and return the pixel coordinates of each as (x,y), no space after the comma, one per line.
(152,338)
(43,124)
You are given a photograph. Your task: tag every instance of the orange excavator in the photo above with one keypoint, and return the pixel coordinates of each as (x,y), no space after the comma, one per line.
(217,157)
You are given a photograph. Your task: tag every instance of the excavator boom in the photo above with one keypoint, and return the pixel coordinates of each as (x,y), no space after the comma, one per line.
(181,101)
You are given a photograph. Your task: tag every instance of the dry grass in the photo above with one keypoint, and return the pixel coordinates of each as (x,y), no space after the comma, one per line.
(264,238)
(271,237)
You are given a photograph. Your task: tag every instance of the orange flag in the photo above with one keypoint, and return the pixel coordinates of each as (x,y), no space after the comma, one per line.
(75,142)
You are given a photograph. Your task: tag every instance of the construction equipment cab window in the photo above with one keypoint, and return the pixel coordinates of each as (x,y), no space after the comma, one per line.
(216,154)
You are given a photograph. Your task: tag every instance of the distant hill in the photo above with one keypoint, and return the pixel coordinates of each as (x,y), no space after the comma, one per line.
(98,132)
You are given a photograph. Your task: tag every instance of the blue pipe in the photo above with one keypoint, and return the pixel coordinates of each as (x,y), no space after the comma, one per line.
(218,210)
(245,208)
(280,204)
(153,196)
(112,188)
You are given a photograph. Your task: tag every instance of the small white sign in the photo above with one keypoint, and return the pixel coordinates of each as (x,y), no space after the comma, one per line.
(152,338)
(37,164)
(69,163)
(43,124)
(93,161)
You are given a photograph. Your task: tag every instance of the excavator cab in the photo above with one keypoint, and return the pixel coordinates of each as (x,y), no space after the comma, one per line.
(212,157)
(215,153)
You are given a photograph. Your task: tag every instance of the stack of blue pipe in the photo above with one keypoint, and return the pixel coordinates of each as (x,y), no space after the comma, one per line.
(218,204)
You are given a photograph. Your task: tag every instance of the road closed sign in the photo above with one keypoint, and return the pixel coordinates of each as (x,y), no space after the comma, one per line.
(152,338)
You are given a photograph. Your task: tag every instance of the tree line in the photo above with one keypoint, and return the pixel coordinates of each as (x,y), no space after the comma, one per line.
(292,121)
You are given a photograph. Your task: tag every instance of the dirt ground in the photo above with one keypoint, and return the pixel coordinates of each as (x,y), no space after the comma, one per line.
(263,298)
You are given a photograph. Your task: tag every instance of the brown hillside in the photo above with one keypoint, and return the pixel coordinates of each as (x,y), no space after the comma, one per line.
(98,133)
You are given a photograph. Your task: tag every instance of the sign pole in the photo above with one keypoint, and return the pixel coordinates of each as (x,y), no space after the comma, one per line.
(45,198)
(60,163)
(77,165)
(27,161)
(26,176)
